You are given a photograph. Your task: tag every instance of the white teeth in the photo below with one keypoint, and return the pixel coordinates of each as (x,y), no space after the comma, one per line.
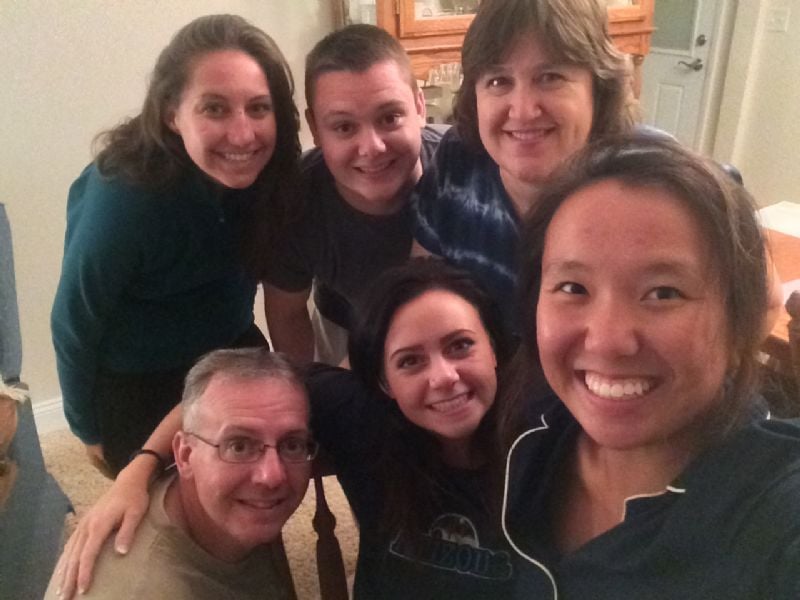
(444,406)
(369,170)
(618,388)
(262,504)
(238,157)
(528,135)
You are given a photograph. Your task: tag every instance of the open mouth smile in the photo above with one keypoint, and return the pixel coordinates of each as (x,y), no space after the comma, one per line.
(617,388)
(529,135)
(451,404)
(262,504)
(239,157)
(376,169)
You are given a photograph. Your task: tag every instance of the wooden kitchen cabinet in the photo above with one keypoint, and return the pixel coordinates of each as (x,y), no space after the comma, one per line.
(437,38)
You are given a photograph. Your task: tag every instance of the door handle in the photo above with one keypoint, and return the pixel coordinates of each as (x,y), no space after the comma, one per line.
(695,65)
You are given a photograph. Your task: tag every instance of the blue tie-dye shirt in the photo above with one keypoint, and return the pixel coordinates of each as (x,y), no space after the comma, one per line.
(463,213)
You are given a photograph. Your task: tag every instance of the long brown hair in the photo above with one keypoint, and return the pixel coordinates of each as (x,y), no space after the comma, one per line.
(410,453)
(145,152)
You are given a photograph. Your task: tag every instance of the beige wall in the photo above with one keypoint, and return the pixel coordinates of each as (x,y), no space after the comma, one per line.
(70,68)
(759,126)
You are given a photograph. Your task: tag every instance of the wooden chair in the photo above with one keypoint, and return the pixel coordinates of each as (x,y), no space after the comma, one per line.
(330,566)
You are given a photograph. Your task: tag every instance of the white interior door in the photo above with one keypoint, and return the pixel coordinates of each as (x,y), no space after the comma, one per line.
(674,74)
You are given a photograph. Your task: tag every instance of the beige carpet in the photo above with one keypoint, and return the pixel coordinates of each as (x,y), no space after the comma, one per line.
(66,461)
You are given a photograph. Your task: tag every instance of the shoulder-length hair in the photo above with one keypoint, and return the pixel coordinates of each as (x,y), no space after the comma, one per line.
(572,31)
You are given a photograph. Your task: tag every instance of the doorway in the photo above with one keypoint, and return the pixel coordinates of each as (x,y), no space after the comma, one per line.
(688,51)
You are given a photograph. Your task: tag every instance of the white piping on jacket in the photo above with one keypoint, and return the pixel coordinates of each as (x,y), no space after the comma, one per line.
(516,548)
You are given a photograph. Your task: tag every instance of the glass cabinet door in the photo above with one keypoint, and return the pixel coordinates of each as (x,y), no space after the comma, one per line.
(434,17)
(358,11)
(414,18)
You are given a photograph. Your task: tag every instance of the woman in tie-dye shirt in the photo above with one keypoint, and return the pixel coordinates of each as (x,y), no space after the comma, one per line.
(541,79)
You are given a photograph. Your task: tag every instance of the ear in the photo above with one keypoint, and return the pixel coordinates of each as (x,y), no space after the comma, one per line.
(169,121)
(419,104)
(385,387)
(182,450)
(312,125)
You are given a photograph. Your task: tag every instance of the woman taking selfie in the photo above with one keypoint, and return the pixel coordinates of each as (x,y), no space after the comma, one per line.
(657,474)
(412,433)
(166,229)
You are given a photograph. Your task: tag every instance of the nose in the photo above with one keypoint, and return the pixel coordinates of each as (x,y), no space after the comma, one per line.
(524,103)
(442,373)
(270,470)
(370,142)
(240,129)
(612,329)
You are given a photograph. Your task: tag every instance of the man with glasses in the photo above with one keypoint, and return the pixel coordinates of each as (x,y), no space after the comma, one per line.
(242,465)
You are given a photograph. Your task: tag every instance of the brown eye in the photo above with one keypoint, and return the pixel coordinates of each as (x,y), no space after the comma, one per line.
(240,448)
(461,346)
(260,109)
(570,287)
(408,362)
(214,110)
(665,292)
(296,449)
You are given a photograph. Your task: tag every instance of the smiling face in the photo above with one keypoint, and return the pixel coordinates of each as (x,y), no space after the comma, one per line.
(439,366)
(368,126)
(225,118)
(533,113)
(232,508)
(632,331)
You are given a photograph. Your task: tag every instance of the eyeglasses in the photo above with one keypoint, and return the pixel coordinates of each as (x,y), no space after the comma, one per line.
(242,449)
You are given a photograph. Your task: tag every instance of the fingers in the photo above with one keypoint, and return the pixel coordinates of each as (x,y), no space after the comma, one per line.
(67,567)
(127,530)
(87,558)
(123,505)
(128,514)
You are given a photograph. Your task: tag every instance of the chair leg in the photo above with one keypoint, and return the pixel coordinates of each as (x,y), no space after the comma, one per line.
(330,566)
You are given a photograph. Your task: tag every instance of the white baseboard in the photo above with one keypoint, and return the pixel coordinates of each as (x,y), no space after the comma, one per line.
(49,416)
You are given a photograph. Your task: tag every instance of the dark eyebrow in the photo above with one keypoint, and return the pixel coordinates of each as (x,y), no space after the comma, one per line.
(661,267)
(393,104)
(669,267)
(447,338)
(569,266)
(414,348)
(216,96)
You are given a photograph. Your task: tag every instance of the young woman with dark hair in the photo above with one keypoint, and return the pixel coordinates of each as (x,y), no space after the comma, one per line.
(167,230)
(657,472)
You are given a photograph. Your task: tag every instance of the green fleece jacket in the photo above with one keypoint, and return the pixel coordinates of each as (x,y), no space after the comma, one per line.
(149,282)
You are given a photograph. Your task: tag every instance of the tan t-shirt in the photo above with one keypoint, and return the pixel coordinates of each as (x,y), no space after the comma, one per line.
(165,562)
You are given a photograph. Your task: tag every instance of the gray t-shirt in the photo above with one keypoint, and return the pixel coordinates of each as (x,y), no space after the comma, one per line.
(339,247)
